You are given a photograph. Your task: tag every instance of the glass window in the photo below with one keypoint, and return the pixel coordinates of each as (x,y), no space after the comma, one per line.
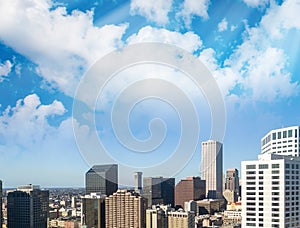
(275,166)
(274,136)
(263,166)
(250,166)
(279,135)
(284,134)
(290,133)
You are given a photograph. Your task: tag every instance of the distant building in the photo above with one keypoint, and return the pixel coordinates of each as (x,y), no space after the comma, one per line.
(191,188)
(212,168)
(102,178)
(93,210)
(181,219)
(271,191)
(283,141)
(191,206)
(230,196)
(159,190)
(157,217)
(28,206)
(210,206)
(232,180)
(138,182)
(125,208)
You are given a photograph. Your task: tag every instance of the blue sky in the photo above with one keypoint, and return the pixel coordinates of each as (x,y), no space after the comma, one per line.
(251,47)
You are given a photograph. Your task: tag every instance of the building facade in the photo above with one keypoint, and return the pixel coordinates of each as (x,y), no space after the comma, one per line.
(138,182)
(93,210)
(212,168)
(232,181)
(125,209)
(271,191)
(284,141)
(181,219)
(102,178)
(28,206)
(159,190)
(156,218)
(191,188)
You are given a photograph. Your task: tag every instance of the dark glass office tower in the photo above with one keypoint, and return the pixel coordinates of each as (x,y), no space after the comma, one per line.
(27,208)
(102,178)
(159,190)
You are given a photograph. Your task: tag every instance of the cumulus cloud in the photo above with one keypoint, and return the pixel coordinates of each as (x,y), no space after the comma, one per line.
(191,8)
(154,10)
(62,45)
(189,40)
(258,68)
(222,26)
(27,123)
(5,69)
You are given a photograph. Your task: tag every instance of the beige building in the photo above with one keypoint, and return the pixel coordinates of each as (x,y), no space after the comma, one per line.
(156,218)
(125,208)
(181,219)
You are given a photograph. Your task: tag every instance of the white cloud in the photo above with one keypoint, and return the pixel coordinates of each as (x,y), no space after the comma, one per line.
(257,3)
(258,68)
(62,45)
(5,69)
(154,10)
(189,40)
(191,8)
(26,124)
(222,26)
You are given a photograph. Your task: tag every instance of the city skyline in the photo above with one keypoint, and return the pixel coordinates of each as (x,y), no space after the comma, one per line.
(250,47)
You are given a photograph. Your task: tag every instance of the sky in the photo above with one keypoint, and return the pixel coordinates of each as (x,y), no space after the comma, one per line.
(48,49)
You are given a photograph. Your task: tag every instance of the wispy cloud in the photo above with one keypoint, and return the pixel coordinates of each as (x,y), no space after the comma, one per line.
(5,69)
(223,25)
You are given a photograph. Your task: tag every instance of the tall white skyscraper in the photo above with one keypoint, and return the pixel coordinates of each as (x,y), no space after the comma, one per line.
(271,191)
(285,141)
(212,168)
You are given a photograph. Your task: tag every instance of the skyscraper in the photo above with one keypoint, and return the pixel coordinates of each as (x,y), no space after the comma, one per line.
(138,182)
(284,141)
(93,210)
(156,218)
(191,188)
(102,178)
(232,190)
(212,168)
(1,215)
(271,191)
(28,206)
(159,190)
(125,209)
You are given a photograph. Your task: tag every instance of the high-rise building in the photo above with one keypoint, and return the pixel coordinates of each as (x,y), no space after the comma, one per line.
(125,208)
(212,168)
(182,219)
(271,191)
(284,141)
(1,195)
(191,188)
(28,206)
(156,218)
(159,190)
(138,182)
(232,185)
(93,210)
(102,178)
